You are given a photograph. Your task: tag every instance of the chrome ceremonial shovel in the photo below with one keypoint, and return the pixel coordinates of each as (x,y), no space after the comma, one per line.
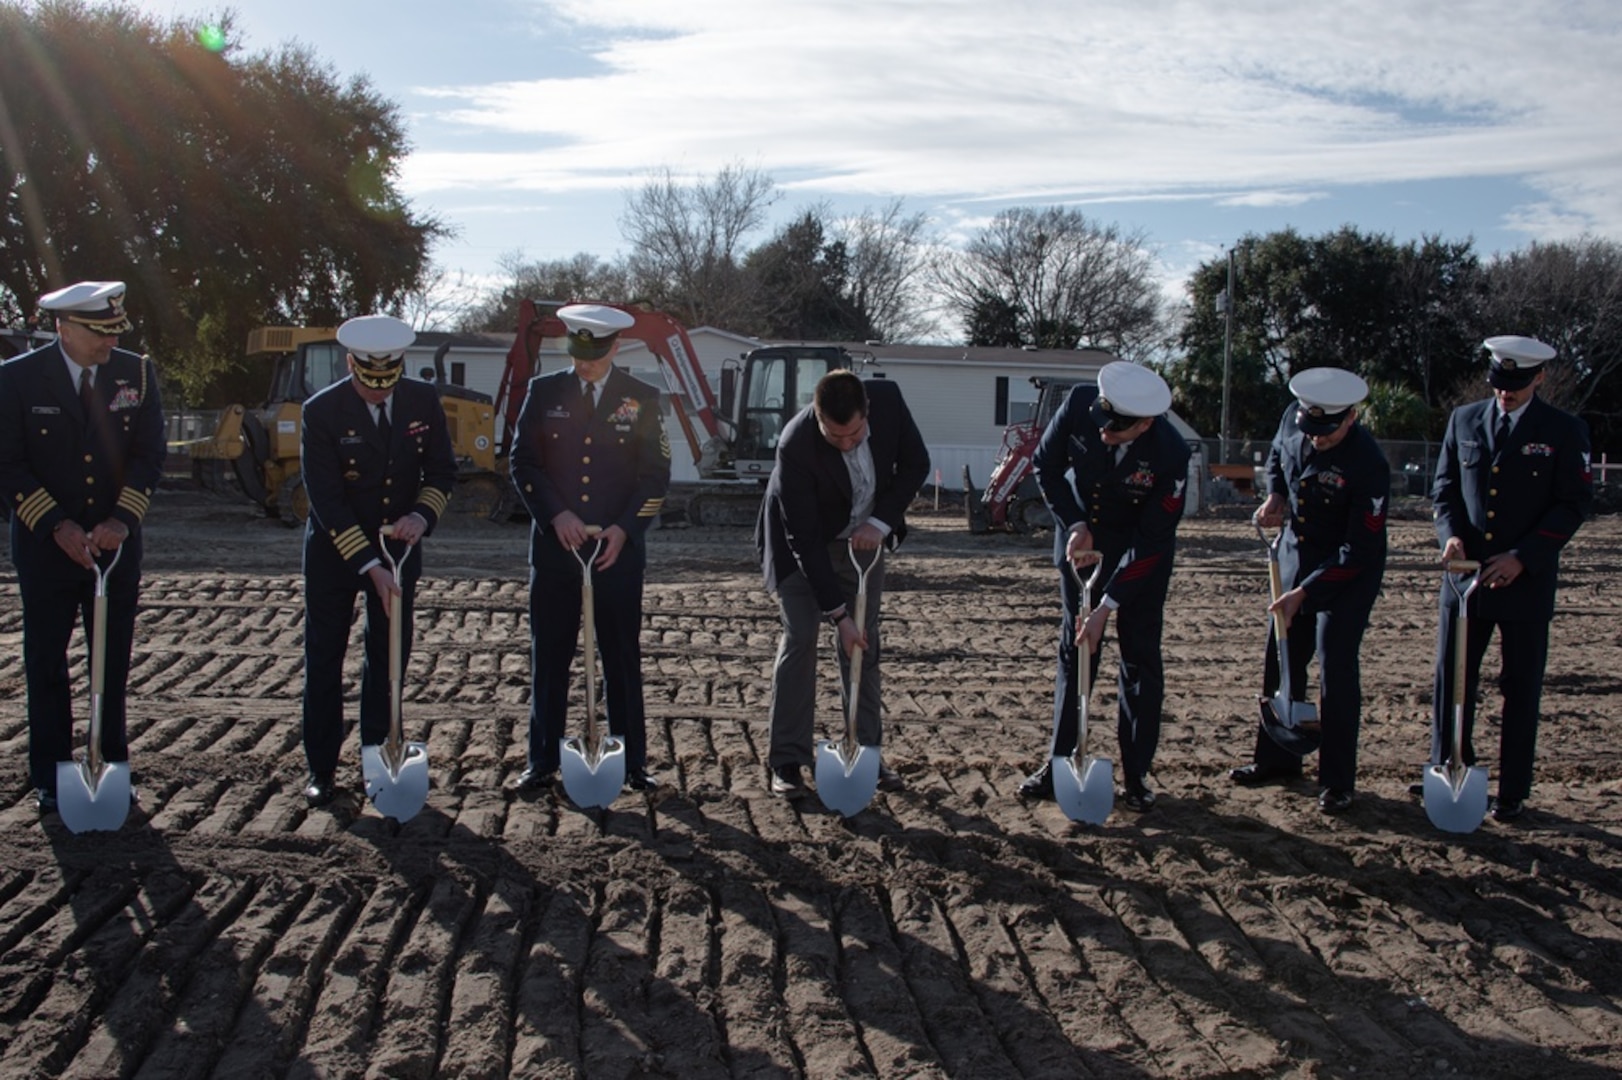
(847,772)
(593,764)
(93,795)
(396,771)
(1291,724)
(1456,793)
(1084,787)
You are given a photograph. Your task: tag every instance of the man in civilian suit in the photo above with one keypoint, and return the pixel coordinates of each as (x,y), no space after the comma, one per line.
(376,451)
(1513,483)
(590,450)
(81,450)
(1113,470)
(848,466)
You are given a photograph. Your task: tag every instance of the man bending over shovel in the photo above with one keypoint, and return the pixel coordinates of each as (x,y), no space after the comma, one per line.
(1328,484)
(377,452)
(848,466)
(1129,468)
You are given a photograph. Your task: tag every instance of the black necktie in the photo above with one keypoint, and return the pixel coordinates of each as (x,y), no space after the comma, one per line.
(1500,437)
(383,426)
(588,396)
(87,396)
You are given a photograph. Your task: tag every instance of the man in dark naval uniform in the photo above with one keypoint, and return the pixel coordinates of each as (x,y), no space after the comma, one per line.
(1328,484)
(590,450)
(1113,470)
(376,452)
(81,450)
(1513,483)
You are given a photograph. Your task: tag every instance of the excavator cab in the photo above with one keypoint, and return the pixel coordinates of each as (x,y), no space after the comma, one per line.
(777,382)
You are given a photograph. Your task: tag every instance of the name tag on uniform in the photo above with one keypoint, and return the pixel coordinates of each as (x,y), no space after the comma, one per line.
(555,413)
(47,410)
(350,440)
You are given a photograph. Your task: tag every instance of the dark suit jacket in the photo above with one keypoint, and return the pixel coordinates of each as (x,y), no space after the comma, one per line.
(1335,541)
(1528,497)
(611,467)
(53,466)
(1132,507)
(356,483)
(808,498)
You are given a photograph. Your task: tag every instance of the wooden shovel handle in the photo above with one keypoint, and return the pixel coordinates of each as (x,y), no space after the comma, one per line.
(1462,566)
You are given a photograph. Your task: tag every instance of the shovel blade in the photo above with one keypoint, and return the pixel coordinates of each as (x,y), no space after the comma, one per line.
(93,802)
(593,784)
(400,792)
(846,785)
(1456,807)
(1300,733)
(1084,791)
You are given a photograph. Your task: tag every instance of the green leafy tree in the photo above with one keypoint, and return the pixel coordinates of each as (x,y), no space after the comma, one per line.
(229,191)
(1569,294)
(802,286)
(1399,315)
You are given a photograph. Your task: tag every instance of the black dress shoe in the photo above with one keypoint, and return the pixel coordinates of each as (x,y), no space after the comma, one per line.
(890,780)
(1138,799)
(1038,785)
(1334,801)
(320,789)
(1505,809)
(1254,775)
(640,780)
(786,782)
(45,800)
(533,781)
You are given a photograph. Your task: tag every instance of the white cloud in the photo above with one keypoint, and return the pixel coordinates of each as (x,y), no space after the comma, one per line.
(1252,103)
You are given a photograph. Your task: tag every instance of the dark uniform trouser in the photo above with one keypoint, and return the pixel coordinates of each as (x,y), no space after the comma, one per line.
(55,593)
(1524,651)
(554,625)
(794,673)
(1140,676)
(329,611)
(1336,636)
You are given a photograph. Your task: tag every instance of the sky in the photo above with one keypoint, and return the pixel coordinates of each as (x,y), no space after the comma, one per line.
(1190,121)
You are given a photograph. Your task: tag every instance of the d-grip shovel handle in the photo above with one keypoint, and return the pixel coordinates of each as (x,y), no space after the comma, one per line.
(1461,629)
(1084,663)
(396,739)
(98,659)
(857,653)
(588,615)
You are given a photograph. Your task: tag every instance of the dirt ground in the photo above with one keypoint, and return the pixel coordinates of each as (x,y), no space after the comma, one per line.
(716,931)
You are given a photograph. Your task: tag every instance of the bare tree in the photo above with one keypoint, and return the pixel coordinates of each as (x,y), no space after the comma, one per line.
(580,277)
(1054,279)
(687,242)
(439,301)
(886,265)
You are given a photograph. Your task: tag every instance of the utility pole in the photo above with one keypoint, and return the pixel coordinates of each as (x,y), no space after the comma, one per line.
(1225,306)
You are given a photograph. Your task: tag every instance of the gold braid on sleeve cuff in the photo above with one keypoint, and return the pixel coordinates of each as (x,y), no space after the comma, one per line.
(434,499)
(350,542)
(34,507)
(651,508)
(136,501)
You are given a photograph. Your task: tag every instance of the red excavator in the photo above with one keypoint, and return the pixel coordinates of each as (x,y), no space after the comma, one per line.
(1012,502)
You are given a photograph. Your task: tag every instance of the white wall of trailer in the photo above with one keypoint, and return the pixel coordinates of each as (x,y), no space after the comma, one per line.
(963,398)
